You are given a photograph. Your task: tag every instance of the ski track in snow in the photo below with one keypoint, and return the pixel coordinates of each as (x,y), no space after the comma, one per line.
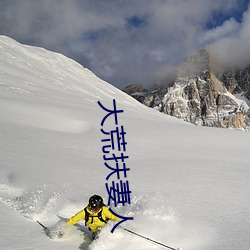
(149,212)
(51,152)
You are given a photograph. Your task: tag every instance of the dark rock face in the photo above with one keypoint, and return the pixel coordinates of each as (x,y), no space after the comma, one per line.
(237,81)
(137,91)
(199,96)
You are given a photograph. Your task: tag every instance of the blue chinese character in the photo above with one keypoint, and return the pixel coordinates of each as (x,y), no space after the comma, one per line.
(120,140)
(121,217)
(117,170)
(119,194)
(110,112)
(116,158)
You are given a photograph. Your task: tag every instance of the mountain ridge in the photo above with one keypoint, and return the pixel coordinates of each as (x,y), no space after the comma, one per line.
(201,95)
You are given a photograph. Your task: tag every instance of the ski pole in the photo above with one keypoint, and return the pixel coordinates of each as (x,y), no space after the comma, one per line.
(159,243)
(45,228)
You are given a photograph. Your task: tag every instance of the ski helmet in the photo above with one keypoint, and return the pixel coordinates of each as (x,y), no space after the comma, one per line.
(95,202)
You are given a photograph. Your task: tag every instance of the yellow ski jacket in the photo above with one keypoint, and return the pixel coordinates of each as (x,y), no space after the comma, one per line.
(93,223)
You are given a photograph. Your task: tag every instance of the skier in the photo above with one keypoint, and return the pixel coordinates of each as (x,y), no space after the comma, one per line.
(95,214)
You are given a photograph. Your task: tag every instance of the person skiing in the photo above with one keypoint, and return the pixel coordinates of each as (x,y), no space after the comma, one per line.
(96,214)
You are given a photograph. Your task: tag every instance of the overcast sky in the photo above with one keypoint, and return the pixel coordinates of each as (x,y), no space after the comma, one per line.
(131,41)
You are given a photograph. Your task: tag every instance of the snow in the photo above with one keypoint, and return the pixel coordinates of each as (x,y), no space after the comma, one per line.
(242,99)
(190,185)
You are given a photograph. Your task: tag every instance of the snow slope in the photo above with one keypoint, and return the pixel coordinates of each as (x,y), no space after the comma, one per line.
(190,185)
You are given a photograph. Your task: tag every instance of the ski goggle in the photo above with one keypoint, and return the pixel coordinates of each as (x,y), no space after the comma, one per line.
(94,208)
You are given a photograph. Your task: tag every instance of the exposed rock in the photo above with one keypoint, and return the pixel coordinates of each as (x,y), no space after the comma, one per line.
(133,88)
(237,81)
(137,91)
(201,97)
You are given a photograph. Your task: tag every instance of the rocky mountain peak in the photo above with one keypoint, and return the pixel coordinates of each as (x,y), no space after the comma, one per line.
(200,96)
(196,64)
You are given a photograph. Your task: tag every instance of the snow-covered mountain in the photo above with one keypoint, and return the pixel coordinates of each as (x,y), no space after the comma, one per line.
(237,81)
(190,184)
(201,95)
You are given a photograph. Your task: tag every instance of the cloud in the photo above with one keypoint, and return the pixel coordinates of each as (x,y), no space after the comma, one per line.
(233,49)
(125,42)
(228,28)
